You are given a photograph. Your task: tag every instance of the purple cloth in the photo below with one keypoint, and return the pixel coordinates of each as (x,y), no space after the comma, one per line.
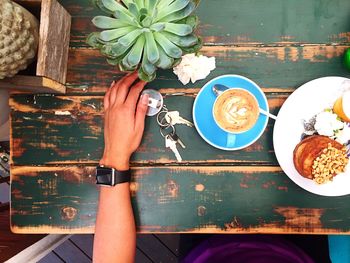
(247,249)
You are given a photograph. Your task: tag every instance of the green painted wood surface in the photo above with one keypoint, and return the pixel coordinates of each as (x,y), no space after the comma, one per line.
(280,44)
(249,21)
(270,67)
(178,199)
(41,136)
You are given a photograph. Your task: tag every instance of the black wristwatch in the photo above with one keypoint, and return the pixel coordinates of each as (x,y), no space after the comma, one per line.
(107,176)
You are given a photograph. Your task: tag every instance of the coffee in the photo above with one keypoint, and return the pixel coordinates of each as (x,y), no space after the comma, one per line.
(236,110)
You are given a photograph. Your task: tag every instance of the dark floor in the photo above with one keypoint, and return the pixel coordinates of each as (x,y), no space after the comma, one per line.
(171,248)
(150,248)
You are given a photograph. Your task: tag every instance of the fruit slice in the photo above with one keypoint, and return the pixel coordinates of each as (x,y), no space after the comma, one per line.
(342,107)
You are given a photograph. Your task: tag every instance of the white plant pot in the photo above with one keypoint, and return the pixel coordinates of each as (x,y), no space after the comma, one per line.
(4,115)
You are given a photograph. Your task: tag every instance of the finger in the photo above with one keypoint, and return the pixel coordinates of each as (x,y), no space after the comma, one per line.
(134,94)
(124,85)
(106,97)
(114,93)
(141,113)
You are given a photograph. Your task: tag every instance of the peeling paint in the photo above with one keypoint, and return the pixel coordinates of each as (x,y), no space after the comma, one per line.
(69,213)
(62,113)
(301,217)
(173,188)
(199,187)
(201,210)
(134,187)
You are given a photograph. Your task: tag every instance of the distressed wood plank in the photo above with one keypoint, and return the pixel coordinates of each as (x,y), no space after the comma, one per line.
(248,21)
(42,135)
(32,84)
(55,25)
(230,199)
(278,67)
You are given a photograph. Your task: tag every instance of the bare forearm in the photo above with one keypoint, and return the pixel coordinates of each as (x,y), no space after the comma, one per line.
(115,228)
(115,234)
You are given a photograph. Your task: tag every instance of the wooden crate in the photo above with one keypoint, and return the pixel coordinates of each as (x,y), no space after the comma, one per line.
(48,72)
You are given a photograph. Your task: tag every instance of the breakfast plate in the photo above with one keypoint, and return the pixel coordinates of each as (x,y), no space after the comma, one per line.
(204,120)
(307,101)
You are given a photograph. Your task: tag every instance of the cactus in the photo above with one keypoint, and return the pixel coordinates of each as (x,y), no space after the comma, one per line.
(145,34)
(18,38)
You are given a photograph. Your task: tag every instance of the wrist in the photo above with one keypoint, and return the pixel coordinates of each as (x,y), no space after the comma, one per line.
(121,164)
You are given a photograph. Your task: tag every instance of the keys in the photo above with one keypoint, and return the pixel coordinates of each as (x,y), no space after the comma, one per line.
(171,143)
(177,140)
(167,120)
(173,118)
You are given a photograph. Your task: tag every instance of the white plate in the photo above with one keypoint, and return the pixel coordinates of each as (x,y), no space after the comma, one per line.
(308,100)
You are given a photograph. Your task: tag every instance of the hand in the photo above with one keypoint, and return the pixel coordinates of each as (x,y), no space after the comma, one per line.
(124,121)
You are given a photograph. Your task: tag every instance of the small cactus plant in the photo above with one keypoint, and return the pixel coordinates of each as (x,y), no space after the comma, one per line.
(18,38)
(145,34)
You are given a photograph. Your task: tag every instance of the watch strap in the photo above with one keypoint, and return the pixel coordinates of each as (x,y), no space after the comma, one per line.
(111,177)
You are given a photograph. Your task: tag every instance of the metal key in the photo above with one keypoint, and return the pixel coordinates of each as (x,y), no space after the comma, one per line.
(170,143)
(176,138)
(173,118)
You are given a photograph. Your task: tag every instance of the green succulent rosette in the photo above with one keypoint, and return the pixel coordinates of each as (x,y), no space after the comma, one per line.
(145,35)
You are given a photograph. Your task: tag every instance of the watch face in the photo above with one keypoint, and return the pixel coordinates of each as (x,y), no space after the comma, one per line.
(104,175)
(103,170)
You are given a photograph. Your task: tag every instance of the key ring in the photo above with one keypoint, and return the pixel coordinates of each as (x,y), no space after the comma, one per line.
(165,128)
(161,117)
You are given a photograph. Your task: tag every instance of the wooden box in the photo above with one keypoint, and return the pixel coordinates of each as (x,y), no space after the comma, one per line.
(48,73)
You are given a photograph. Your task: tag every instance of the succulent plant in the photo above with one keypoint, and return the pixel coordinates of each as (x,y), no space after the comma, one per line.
(145,34)
(18,38)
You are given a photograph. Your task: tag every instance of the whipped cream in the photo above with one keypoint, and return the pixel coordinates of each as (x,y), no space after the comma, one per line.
(327,123)
(343,136)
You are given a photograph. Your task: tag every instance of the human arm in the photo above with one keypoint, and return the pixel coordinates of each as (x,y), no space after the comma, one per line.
(115,234)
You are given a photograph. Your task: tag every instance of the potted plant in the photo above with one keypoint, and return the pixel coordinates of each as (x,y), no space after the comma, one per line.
(19,38)
(145,35)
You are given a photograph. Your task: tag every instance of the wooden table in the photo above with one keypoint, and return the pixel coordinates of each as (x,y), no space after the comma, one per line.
(56,141)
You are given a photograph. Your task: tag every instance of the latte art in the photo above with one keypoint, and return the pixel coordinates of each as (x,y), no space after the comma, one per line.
(236,110)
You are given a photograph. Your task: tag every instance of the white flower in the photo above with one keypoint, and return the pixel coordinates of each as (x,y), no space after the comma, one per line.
(343,136)
(327,123)
(193,68)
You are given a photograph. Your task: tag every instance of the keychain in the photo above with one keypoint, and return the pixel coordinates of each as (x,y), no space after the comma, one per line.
(155,101)
(166,120)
